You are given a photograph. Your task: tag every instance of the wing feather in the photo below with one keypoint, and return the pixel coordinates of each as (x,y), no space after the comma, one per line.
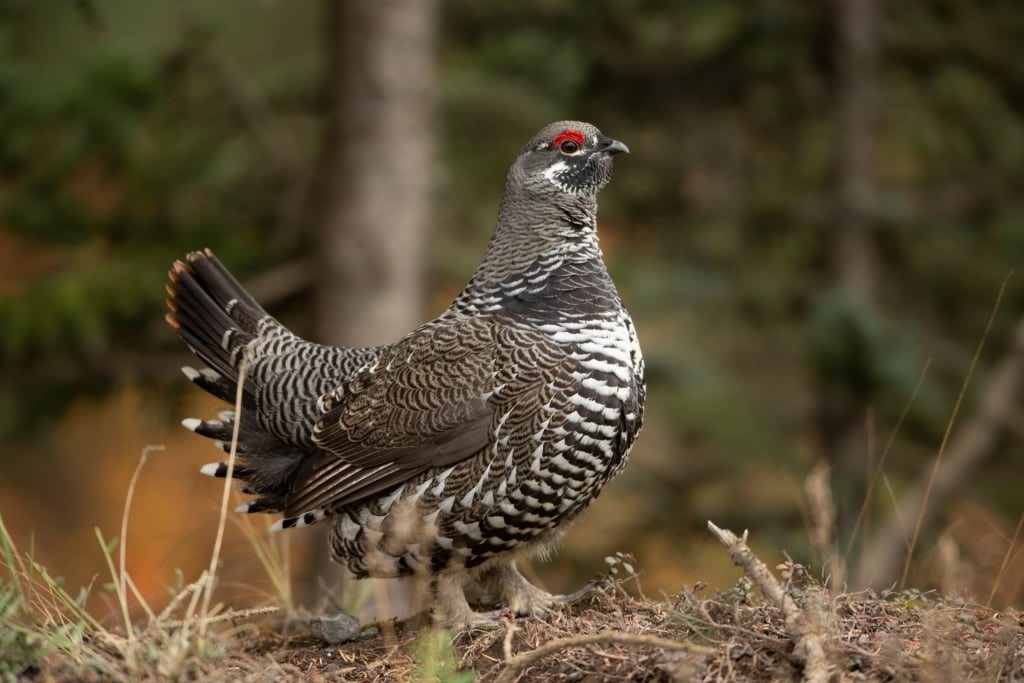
(422,404)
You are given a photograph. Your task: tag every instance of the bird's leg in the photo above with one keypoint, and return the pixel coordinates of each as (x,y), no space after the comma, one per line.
(450,607)
(504,582)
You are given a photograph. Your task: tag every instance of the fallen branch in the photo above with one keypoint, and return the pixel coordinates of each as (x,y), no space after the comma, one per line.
(809,648)
(516,665)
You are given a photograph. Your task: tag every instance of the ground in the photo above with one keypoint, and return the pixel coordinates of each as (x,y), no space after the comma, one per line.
(695,635)
(718,637)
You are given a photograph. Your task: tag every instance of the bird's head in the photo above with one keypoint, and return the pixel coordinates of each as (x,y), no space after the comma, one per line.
(572,157)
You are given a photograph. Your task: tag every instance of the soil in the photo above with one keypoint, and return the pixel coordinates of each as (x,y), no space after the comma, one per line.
(731,636)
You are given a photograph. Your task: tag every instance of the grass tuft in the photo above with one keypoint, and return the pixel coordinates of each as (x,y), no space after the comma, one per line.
(46,631)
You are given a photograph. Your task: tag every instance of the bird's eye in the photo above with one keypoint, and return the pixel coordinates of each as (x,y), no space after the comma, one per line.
(569,141)
(569,146)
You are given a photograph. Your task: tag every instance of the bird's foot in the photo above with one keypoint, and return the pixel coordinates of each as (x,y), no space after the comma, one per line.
(523,598)
(485,621)
(500,584)
(452,610)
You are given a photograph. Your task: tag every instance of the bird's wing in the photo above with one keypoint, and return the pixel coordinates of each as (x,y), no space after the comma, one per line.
(428,401)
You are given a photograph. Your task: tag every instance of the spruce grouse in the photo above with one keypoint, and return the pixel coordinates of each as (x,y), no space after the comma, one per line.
(478,437)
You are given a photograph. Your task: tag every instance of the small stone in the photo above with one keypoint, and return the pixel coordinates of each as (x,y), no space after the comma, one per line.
(336,628)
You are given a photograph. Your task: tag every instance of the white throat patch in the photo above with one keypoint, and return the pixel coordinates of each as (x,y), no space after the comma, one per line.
(554,175)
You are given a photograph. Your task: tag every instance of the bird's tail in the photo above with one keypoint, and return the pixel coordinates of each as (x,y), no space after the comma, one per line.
(213,315)
(220,321)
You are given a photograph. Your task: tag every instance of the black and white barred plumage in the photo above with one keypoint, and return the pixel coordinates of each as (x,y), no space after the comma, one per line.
(481,434)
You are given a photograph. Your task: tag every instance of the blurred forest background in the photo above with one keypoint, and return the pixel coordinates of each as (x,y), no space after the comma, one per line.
(823,203)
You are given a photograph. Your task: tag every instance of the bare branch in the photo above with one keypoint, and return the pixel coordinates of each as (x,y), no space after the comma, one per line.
(804,630)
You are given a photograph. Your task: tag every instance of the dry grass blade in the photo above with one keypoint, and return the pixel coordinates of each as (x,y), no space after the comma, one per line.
(877,473)
(949,430)
(243,367)
(14,561)
(1006,561)
(122,575)
(230,615)
(272,552)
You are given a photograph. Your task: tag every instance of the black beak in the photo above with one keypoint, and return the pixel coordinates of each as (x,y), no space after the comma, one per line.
(612,147)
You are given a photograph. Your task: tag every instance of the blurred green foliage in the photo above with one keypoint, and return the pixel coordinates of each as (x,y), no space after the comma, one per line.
(723,215)
(117,157)
(120,152)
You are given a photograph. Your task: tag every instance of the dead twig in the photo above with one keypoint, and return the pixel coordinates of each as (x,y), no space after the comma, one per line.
(800,627)
(821,509)
(516,665)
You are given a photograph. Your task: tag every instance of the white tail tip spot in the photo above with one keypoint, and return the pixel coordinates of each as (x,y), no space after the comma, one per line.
(191,423)
(244,507)
(210,469)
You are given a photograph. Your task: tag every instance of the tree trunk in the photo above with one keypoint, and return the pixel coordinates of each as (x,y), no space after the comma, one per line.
(854,258)
(375,176)
(370,206)
(843,397)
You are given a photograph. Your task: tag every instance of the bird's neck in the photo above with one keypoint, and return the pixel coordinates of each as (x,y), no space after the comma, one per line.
(531,225)
(535,255)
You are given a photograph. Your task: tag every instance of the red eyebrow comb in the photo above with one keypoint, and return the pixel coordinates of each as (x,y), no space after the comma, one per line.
(570,134)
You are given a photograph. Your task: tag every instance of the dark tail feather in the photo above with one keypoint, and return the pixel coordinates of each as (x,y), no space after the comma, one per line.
(215,384)
(212,312)
(214,315)
(220,283)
